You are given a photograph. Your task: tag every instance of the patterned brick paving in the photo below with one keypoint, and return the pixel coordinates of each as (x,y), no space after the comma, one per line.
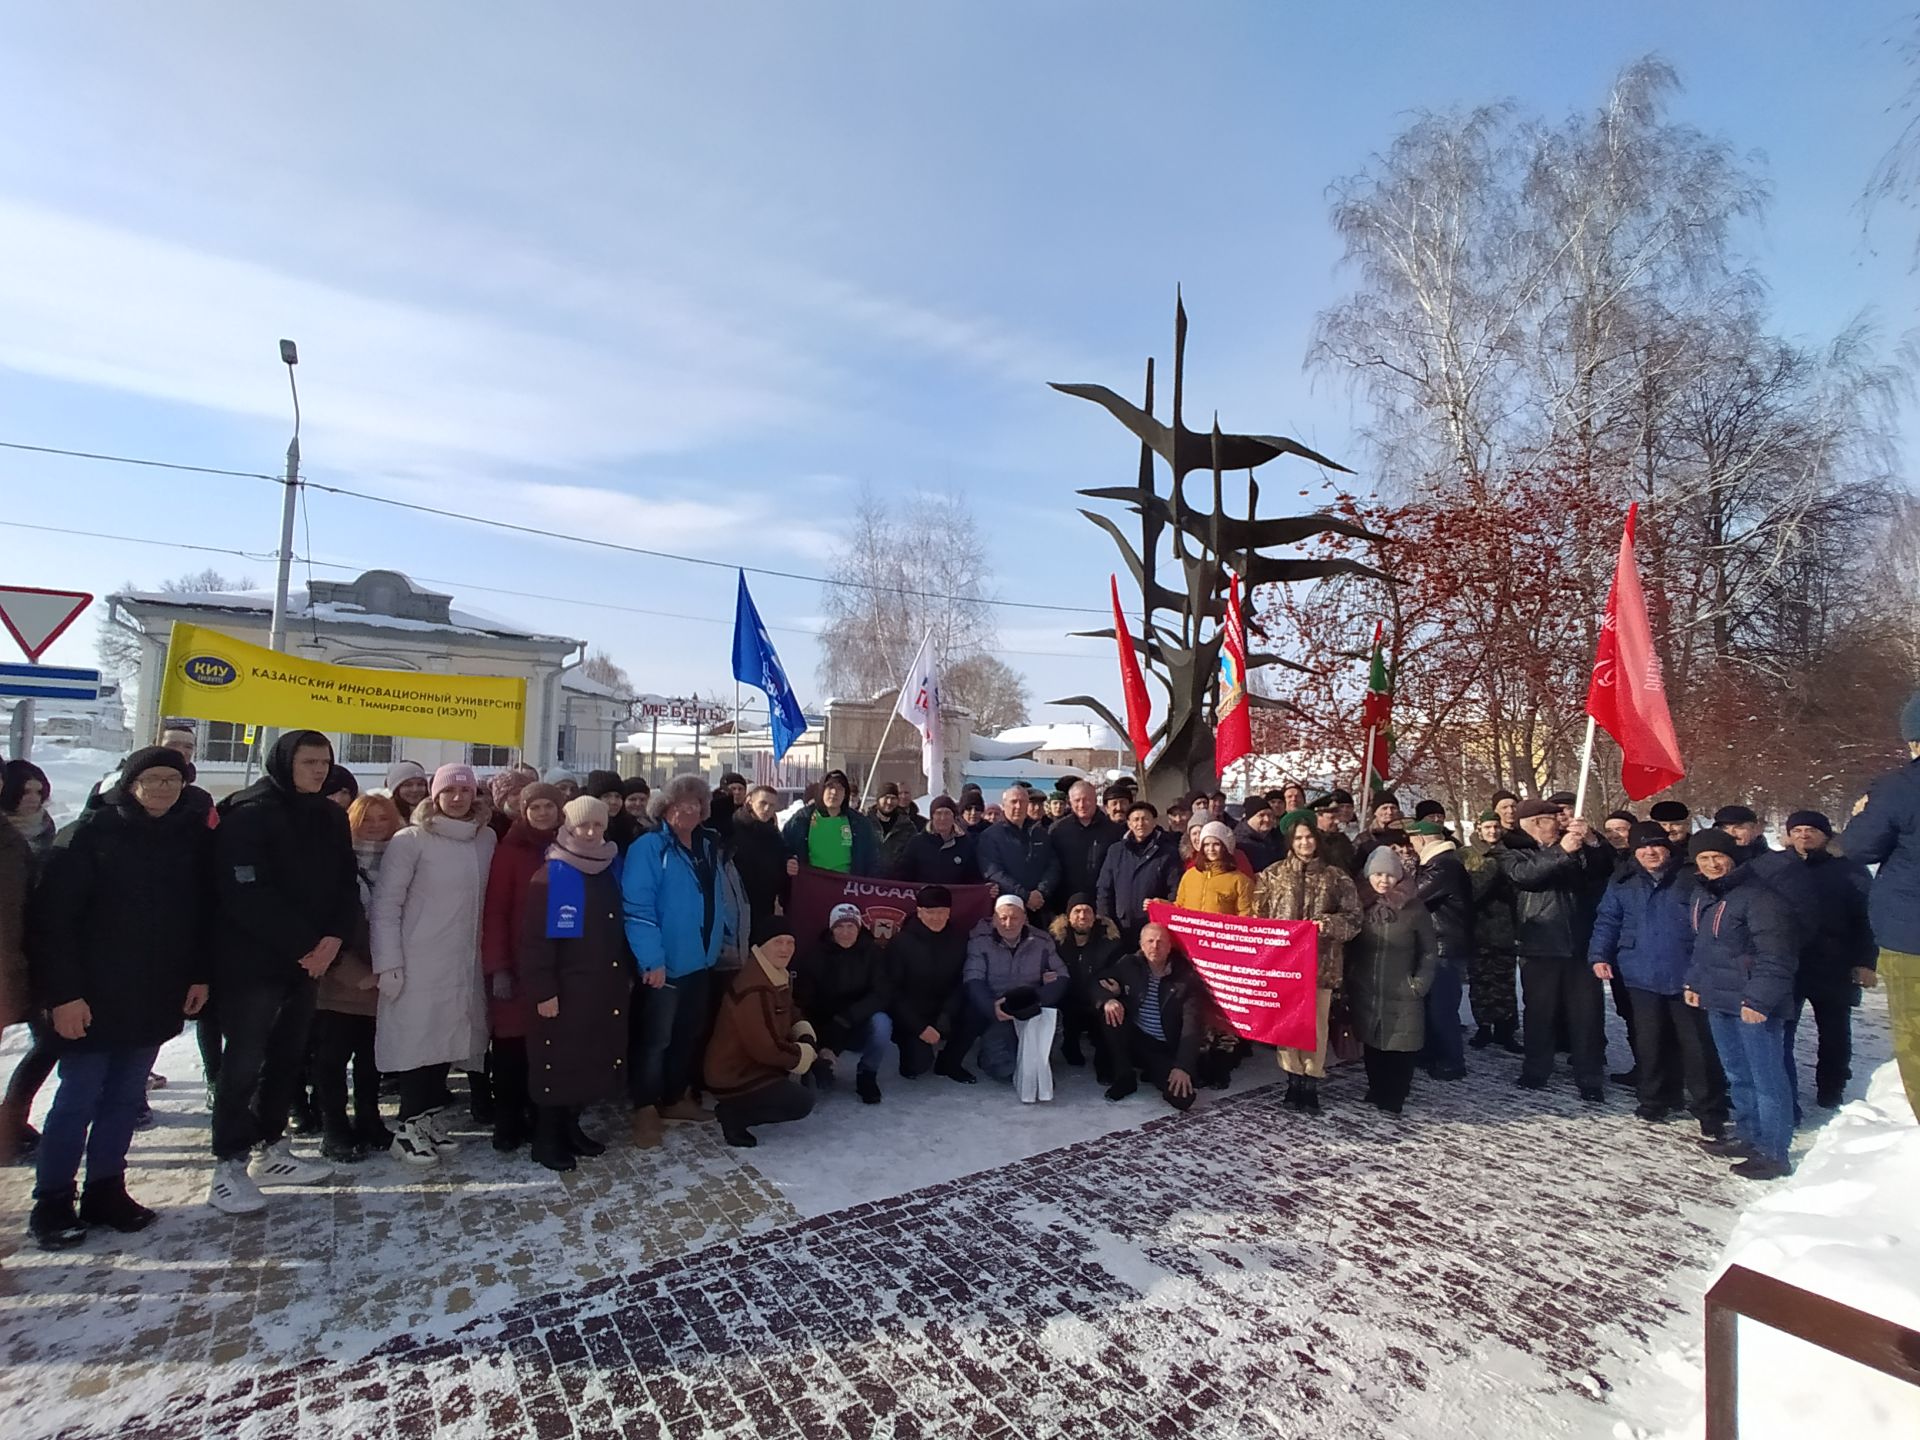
(1494,1264)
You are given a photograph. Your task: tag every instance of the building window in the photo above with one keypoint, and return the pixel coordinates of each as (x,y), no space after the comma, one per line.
(224,743)
(367,750)
(564,744)
(490,756)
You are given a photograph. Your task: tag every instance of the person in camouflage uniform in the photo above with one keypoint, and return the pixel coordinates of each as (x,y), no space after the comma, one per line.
(1490,980)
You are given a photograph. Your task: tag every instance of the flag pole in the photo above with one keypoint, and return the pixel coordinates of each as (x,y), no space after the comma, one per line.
(887,729)
(1586,766)
(736,724)
(1360,791)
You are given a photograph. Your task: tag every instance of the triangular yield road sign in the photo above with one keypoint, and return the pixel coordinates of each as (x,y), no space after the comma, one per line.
(37,618)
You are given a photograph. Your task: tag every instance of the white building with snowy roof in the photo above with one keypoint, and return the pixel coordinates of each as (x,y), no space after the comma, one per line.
(383,621)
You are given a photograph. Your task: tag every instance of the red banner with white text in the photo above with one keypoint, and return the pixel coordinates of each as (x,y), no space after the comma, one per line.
(883,904)
(1263,974)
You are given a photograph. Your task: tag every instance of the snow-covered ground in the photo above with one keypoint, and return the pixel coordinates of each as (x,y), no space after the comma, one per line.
(71,774)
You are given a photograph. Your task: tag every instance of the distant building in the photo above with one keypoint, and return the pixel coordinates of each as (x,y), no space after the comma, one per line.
(384,621)
(81,724)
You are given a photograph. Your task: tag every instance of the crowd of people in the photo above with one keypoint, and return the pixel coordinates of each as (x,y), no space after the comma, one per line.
(564,943)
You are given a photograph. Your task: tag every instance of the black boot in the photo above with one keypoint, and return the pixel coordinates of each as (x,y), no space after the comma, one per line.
(1071,1052)
(372,1132)
(1506,1036)
(549,1140)
(1482,1037)
(480,1097)
(578,1140)
(510,1128)
(106,1202)
(302,1117)
(340,1144)
(1292,1098)
(867,1085)
(54,1224)
(949,1065)
(1309,1095)
(738,1136)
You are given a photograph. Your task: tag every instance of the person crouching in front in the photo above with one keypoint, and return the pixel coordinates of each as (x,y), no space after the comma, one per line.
(760,1046)
(1153,1018)
(840,987)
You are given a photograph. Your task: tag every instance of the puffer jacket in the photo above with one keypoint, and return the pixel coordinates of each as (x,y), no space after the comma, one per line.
(1133,873)
(1887,833)
(1443,886)
(1389,971)
(1555,895)
(994,966)
(1827,894)
(1643,928)
(1226,891)
(1297,889)
(521,852)
(1745,949)
(677,912)
(1019,859)
(16,869)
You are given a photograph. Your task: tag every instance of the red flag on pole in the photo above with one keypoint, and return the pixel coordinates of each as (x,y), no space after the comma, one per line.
(1627,697)
(1233,718)
(1139,708)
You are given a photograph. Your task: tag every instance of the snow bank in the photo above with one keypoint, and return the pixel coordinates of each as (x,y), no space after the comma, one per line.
(1846,1226)
(72,774)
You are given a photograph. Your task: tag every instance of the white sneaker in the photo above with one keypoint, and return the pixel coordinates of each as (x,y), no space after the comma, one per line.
(433,1124)
(233,1191)
(411,1143)
(276,1164)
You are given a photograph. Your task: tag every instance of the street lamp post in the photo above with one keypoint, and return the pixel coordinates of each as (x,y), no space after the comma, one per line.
(277,627)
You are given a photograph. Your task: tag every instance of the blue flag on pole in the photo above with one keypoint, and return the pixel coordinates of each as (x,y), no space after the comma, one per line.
(755,664)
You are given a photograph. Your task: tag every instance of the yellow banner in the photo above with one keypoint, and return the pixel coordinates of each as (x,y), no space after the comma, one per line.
(212,676)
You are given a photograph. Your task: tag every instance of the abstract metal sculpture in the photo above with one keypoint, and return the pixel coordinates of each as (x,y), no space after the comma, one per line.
(1205,544)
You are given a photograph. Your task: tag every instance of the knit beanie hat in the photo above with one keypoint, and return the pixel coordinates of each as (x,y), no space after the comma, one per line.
(556,775)
(843,913)
(581,810)
(540,790)
(453,775)
(1717,841)
(1910,718)
(1081,897)
(1294,819)
(1218,830)
(150,757)
(1735,815)
(1648,832)
(771,927)
(933,897)
(634,785)
(600,782)
(401,771)
(340,779)
(1810,817)
(1429,810)
(1384,861)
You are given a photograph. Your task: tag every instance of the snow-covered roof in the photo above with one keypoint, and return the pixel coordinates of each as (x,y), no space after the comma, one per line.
(582,683)
(382,599)
(1065,735)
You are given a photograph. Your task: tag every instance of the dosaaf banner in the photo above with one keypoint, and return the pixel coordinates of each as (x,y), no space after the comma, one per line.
(885,904)
(212,676)
(1263,973)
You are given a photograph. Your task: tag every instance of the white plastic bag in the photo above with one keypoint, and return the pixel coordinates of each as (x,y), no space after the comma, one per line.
(1033,1069)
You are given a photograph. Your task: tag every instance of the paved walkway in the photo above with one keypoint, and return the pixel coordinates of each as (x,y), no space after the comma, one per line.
(1497,1263)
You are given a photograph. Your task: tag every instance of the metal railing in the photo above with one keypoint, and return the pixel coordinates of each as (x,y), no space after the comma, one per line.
(1865,1339)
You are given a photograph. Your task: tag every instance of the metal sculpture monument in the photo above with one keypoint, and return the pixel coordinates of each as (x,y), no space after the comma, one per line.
(1205,544)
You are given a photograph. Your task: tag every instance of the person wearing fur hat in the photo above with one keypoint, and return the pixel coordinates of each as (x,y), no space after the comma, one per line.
(1389,971)
(1444,887)
(119,959)
(426,914)
(407,782)
(1088,943)
(840,986)
(517,857)
(1304,887)
(1643,935)
(287,897)
(1885,831)
(577,974)
(1215,885)
(1828,896)
(1741,973)
(924,962)
(761,1046)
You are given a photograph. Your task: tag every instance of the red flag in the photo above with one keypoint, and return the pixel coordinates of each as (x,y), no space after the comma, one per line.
(1627,697)
(1233,718)
(1376,718)
(1139,708)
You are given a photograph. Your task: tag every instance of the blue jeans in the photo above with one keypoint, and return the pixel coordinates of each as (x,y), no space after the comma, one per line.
(101,1095)
(871,1039)
(1446,1047)
(668,1037)
(1756,1067)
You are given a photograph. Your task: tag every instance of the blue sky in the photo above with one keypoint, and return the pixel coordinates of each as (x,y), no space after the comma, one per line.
(686,276)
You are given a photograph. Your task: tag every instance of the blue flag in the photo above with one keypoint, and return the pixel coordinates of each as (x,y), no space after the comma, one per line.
(755,664)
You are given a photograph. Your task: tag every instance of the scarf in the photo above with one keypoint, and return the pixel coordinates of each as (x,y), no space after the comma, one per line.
(1382,908)
(775,975)
(569,861)
(367,855)
(569,848)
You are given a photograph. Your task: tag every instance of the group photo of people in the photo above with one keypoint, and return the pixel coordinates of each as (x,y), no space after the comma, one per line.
(520,955)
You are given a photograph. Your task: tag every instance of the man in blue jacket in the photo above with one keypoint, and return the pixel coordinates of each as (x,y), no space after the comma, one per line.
(677,918)
(1643,935)
(1017,855)
(1745,950)
(1886,832)
(1828,896)
(1144,866)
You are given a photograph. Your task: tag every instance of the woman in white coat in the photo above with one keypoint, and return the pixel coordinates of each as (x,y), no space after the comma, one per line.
(426,955)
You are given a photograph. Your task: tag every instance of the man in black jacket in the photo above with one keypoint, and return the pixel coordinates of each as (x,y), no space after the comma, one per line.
(1555,879)
(1081,838)
(1827,894)
(1088,943)
(943,853)
(287,895)
(894,827)
(1142,867)
(840,987)
(760,852)
(1444,887)
(1154,1019)
(1748,834)
(1017,855)
(924,962)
